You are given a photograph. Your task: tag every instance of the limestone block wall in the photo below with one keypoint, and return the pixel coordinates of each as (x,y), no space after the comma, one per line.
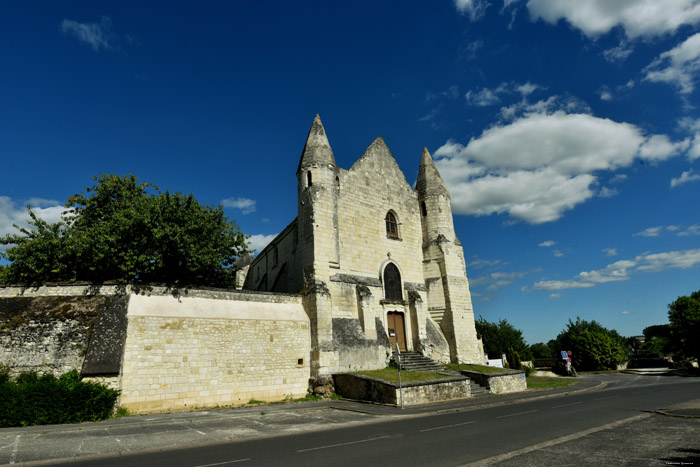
(373,186)
(182,352)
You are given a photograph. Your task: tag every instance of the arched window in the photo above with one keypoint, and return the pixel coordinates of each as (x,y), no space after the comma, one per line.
(308,178)
(392,227)
(392,283)
(423,209)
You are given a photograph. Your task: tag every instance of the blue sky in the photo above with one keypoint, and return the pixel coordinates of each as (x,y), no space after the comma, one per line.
(568,132)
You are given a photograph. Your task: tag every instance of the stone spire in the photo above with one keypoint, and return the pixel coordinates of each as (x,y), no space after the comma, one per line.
(429,180)
(317,150)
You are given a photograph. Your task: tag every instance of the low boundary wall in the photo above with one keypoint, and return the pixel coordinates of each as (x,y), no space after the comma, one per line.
(499,383)
(364,388)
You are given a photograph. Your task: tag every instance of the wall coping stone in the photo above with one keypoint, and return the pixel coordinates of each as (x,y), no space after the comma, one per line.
(449,379)
(89,289)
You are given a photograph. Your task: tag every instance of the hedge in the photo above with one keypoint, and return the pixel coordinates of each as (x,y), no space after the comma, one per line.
(46,400)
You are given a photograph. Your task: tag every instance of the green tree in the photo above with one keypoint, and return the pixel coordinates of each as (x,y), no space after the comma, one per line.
(499,337)
(684,319)
(541,350)
(593,346)
(126,231)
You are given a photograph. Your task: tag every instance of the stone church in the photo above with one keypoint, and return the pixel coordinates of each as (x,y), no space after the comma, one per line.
(377,262)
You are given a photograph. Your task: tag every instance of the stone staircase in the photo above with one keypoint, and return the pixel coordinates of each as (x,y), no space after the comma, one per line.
(477,389)
(413,361)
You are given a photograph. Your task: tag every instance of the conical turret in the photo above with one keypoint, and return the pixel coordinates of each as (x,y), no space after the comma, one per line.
(317,150)
(429,181)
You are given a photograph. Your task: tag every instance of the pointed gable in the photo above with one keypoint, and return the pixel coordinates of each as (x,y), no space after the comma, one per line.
(317,150)
(378,159)
(429,180)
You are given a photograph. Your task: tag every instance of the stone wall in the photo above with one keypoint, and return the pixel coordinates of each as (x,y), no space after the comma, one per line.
(164,348)
(184,352)
(49,329)
(364,388)
(500,383)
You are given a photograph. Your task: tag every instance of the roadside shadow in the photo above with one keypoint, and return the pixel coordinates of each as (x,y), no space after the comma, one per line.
(691,457)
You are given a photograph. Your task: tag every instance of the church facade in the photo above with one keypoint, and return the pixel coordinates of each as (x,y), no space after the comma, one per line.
(377,262)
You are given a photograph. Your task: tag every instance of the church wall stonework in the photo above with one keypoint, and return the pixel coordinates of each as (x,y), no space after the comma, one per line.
(344,245)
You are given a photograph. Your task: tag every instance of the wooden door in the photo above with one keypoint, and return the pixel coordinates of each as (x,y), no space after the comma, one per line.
(396,330)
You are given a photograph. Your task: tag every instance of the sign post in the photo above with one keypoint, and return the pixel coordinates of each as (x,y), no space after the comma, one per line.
(398,363)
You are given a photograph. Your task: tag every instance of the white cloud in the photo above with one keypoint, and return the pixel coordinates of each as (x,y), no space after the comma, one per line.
(97,36)
(678,66)
(669,260)
(618,178)
(621,270)
(483,98)
(486,97)
(547,243)
(16,213)
(686,177)
(625,312)
(561,285)
(258,242)
(610,251)
(618,54)
(693,127)
(650,232)
(606,192)
(478,263)
(527,88)
(558,253)
(605,94)
(476,9)
(692,230)
(496,280)
(245,205)
(555,295)
(614,272)
(469,50)
(542,163)
(638,18)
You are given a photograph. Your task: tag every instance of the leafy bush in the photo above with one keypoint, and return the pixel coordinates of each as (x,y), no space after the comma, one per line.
(593,346)
(46,400)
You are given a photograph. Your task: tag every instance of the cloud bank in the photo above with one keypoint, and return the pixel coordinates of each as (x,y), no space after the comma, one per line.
(543,159)
(621,270)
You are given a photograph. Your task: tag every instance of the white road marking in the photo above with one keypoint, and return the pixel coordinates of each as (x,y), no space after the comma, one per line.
(343,444)
(554,442)
(15,448)
(601,398)
(566,405)
(514,414)
(224,463)
(446,426)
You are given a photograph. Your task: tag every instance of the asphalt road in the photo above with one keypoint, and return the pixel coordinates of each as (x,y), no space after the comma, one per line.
(501,434)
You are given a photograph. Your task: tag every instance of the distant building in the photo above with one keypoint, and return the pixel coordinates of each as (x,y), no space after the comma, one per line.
(376,261)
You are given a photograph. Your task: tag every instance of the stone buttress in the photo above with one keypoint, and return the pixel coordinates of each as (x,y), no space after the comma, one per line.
(449,300)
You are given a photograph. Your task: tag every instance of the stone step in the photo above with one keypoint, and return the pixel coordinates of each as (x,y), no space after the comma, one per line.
(416,362)
(437,315)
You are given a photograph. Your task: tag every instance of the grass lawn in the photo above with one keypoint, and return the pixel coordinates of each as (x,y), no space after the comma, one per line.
(547,382)
(479,368)
(392,374)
